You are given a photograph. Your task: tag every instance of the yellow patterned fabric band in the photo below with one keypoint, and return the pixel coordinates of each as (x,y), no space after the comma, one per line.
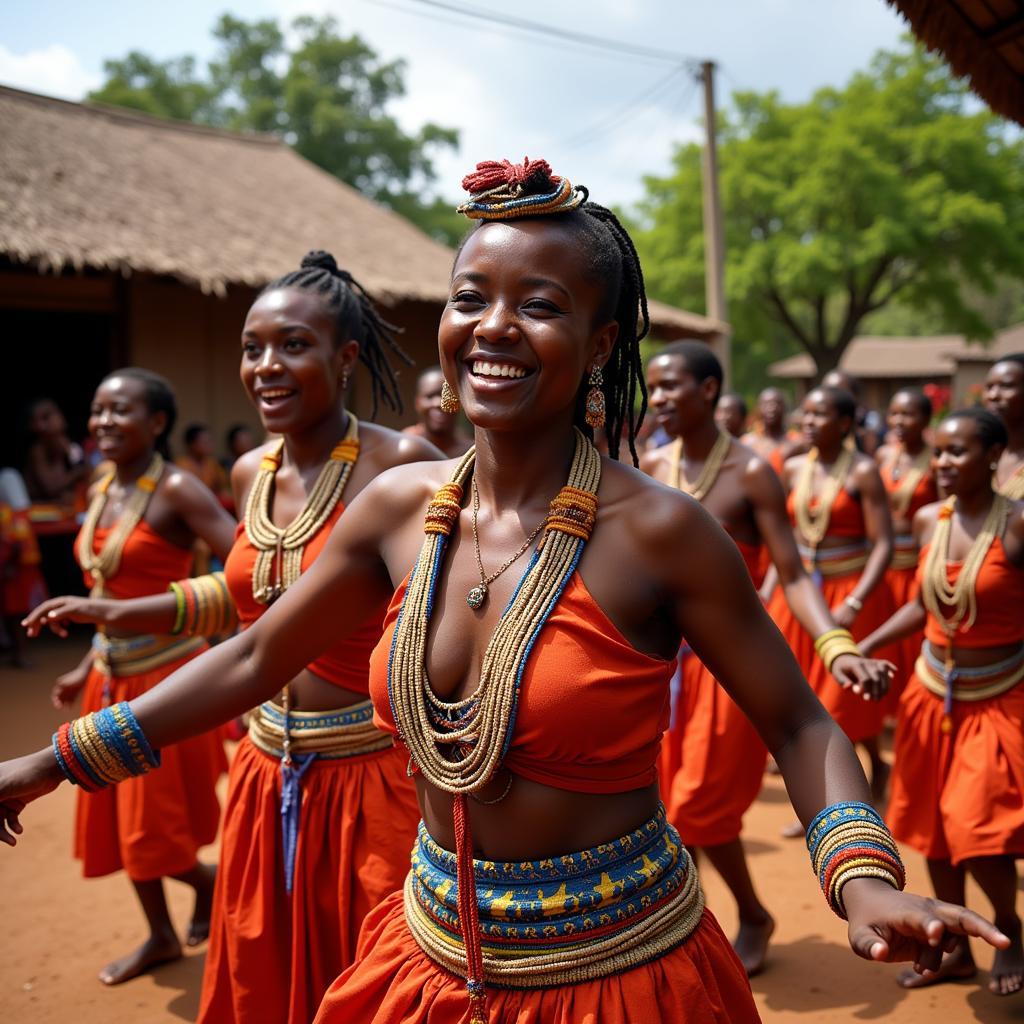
(346,732)
(132,656)
(904,552)
(832,562)
(562,920)
(969,684)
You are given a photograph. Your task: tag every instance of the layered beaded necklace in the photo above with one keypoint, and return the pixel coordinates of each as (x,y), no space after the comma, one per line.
(281,550)
(1014,487)
(103,565)
(900,498)
(707,476)
(813,526)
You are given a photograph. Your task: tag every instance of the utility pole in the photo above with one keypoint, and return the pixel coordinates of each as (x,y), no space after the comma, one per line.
(714,236)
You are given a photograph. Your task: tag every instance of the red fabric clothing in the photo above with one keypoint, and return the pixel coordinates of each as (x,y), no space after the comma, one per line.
(845,520)
(272,956)
(345,664)
(924,493)
(902,587)
(580,670)
(149,564)
(22,586)
(712,759)
(394,982)
(999,592)
(960,794)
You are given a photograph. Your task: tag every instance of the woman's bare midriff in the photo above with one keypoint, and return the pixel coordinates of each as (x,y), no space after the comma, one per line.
(310,692)
(979,657)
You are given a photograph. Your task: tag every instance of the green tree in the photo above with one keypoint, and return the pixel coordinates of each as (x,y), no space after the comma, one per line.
(893,191)
(327,95)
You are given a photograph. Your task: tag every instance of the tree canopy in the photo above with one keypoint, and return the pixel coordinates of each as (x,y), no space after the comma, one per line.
(326,94)
(893,192)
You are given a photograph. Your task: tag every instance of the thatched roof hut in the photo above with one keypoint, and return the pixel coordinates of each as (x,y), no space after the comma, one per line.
(128,238)
(983,40)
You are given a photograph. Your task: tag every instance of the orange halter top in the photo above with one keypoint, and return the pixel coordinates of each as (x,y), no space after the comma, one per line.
(846,520)
(148,563)
(925,493)
(1000,599)
(592,707)
(345,664)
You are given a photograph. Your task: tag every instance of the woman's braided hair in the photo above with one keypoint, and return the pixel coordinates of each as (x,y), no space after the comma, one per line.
(500,190)
(356,319)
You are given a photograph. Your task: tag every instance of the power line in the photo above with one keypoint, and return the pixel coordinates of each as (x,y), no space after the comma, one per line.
(581,38)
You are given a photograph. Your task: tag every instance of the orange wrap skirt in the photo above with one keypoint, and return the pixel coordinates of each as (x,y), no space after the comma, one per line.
(712,760)
(960,794)
(860,719)
(152,825)
(271,955)
(902,588)
(394,982)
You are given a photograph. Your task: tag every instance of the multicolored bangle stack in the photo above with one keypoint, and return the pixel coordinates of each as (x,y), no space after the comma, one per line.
(204,606)
(833,644)
(103,748)
(850,840)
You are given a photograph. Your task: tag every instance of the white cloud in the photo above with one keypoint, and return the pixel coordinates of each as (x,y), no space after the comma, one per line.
(54,70)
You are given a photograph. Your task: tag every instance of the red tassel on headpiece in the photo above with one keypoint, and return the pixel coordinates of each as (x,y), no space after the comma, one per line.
(495,173)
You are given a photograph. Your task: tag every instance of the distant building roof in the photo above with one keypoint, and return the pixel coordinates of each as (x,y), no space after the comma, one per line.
(875,356)
(983,40)
(86,185)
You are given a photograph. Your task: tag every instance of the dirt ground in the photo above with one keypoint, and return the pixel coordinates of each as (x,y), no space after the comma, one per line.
(58,930)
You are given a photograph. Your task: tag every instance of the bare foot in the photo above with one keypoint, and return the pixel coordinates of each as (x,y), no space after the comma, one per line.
(794,830)
(880,773)
(1007,976)
(955,966)
(199,926)
(154,951)
(751,944)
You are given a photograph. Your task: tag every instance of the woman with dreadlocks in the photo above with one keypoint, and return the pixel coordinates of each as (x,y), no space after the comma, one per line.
(294,887)
(544,873)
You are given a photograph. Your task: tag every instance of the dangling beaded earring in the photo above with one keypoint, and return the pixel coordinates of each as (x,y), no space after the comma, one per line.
(595,408)
(449,399)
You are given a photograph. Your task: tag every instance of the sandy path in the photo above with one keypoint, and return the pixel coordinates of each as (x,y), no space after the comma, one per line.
(59,930)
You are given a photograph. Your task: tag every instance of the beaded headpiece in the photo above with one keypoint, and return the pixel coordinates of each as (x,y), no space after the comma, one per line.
(501,190)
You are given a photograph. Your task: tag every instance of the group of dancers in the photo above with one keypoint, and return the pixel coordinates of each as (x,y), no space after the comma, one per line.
(474,655)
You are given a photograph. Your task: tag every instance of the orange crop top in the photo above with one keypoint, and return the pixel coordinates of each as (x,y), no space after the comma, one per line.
(846,520)
(1000,596)
(592,707)
(925,493)
(346,663)
(148,563)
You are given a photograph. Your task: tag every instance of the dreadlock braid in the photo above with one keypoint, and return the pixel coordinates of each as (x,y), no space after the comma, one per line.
(501,190)
(356,319)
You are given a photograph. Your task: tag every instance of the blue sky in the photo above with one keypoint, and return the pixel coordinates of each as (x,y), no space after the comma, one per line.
(509,95)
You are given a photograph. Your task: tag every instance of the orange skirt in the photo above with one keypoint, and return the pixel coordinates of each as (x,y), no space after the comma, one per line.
(860,719)
(960,794)
(903,653)
(712,762)
(271,955)
(395,982)
(151,826)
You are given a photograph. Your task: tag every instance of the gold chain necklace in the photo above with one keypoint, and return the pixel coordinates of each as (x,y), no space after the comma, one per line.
(478,594)
(813,526)
(708,475)
(900,498)
(103,565)
(936,592)
(281,550)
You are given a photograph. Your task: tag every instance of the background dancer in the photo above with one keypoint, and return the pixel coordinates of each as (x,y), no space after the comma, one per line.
(437,424)
(1004,396)
(769,436)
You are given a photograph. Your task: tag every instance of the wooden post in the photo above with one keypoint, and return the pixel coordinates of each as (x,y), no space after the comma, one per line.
(714,236)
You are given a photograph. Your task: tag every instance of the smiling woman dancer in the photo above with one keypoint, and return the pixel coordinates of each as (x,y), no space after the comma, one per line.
(287,909)
(958,780)
(905,467)
(532,711)
(143,519)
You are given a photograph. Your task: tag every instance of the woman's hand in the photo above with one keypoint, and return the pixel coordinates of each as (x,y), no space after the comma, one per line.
(58,611)
(845,615)
(888,925)
(22,780)
(68,686)
(869,677)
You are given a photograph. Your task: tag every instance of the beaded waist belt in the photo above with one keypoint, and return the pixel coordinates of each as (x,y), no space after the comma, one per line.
(904,552)
(346,732)
(561,920)
(971,684)
(131,656)
(829,562)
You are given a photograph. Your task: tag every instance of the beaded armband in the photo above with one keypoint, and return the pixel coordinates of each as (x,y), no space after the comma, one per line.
(443,510)
(850,840)
(203,606)
(103,748)
(834,643)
